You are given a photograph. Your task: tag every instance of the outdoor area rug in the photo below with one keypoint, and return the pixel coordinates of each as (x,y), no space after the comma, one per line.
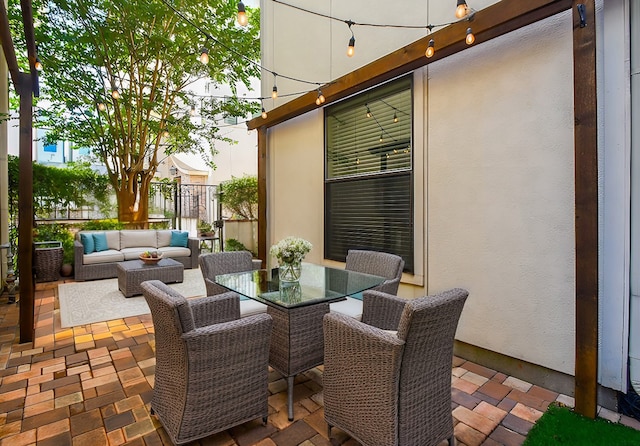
(100,300)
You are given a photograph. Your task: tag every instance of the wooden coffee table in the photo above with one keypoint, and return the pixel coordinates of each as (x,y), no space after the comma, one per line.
(133,272)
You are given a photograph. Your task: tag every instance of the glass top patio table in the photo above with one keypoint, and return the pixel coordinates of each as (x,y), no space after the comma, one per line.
(317,284)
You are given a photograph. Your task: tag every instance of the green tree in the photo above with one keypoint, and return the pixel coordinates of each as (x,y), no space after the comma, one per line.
(147,51)
(240,196)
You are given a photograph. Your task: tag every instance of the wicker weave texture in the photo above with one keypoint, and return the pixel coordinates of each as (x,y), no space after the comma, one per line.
(297,342)
(377,263)
(387,390)
(218,263)
(209,377)
(47,264)
(132,273)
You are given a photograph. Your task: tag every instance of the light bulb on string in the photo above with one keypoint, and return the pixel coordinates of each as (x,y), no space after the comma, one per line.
(102,106)
(192,110)
(461,9)
(430,49)
(204,55)
(242,15)
(38,64)
(274,92)
(351,49)
(368,111)
(264,112)
(470,37)
(115,94)
(395,116)
(320,99)
(165,133)
(382,137)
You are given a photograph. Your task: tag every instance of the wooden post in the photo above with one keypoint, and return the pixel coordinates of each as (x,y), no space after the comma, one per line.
(262,196)
(25,208)
(586,207)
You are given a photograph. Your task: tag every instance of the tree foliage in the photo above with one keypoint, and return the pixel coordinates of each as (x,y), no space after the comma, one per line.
(149,53)
(240,196)
(74,185)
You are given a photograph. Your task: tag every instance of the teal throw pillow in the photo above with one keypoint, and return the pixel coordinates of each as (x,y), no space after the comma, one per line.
(87,243)
(179,239)
(100,241)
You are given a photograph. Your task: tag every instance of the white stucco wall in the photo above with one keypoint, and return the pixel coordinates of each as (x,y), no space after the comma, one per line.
(497,159)
(500,218)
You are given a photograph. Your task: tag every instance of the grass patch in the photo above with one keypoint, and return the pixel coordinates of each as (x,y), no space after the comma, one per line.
(560,425)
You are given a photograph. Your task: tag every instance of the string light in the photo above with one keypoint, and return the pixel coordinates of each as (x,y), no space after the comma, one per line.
(470,37)
(242,15)
(368,110)
(461,9)
(115,94)
(101,106)
(274,92)
(320,99)
(204,55)
(264,112)
(351,49)
(192,111)
(38,64)
(430,49)
(395,116)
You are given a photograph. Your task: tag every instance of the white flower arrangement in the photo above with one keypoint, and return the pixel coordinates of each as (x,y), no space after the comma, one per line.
(290,250)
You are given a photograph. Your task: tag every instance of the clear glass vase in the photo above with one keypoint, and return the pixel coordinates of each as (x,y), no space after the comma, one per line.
(290,272)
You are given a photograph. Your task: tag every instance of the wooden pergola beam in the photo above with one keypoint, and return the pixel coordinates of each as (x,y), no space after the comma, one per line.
(494,21)
(26,85)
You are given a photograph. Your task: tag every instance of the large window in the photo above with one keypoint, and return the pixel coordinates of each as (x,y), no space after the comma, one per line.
(368,173)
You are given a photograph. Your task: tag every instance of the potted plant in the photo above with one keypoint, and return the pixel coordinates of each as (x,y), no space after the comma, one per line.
(205,229)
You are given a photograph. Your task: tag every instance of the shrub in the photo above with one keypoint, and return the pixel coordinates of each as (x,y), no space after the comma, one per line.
(97,225)
(232,244)
(56,232)
(240,196)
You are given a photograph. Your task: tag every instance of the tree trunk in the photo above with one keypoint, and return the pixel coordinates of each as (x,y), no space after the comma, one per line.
(133,203)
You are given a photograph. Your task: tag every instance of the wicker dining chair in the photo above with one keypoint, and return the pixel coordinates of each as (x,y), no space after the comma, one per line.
(216,263)
(198,342)
(392,388)
(377,263)
(383,264)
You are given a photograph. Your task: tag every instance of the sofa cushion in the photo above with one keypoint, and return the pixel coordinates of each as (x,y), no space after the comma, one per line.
(100,241)
(164,237)
(179,239)
(108,256)
(134,253)
(87,243)
(138,238)
(173,252)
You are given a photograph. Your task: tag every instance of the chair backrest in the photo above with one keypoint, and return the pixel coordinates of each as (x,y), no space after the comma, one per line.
(428,326)
(216,263)
(377,263)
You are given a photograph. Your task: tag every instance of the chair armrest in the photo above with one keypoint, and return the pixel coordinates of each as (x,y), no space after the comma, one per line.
(194,246)
(352,352)
(215,309)
(382,310)
(213,288)
(389,286)
(78,252)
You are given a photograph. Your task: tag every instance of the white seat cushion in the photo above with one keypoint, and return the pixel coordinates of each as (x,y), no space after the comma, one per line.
(250,307)
(350,307)
(108,256)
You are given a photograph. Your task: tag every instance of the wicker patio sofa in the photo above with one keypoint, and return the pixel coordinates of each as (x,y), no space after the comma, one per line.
(128,244)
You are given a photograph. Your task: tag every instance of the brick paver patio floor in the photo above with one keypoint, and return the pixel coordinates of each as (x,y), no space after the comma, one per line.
(91,385)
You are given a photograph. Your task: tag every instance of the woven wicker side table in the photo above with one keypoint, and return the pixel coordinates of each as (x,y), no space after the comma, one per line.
(132,273)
